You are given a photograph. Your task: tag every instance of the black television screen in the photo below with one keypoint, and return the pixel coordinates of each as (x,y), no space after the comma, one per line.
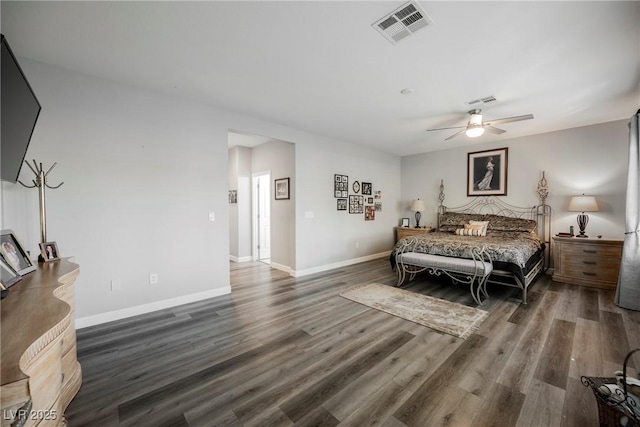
(18,116)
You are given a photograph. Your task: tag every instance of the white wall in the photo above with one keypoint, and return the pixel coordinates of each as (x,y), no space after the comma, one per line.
(332,236)
(143,170)
(590,159)
(278,157)
(240,213)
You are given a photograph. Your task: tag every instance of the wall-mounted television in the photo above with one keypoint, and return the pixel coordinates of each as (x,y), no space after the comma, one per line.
(18,116)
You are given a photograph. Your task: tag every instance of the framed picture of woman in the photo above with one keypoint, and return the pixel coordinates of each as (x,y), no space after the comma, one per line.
(14,253)
(8,275)
(487,172)
(49,251)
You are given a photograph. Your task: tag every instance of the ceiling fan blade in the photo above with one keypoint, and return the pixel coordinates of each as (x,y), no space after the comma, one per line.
(456,134)
(455,127)
(493,130)
(508,120)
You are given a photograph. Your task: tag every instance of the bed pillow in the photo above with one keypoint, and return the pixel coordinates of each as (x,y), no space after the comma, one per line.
(451,221)
(469,230)
(505,223)
(483,225)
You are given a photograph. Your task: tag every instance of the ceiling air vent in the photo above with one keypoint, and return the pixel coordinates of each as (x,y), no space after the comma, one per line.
(402,22)
(480,102)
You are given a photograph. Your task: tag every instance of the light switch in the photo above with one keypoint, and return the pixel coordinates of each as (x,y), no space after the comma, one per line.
(308,214)
(212,216)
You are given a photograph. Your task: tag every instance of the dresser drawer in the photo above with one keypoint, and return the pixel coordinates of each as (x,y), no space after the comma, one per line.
(593,268)
(590,262)
(583,250)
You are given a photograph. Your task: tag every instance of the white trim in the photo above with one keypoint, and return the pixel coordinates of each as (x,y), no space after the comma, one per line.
(110,316)
(281,267)
(339,264)
(240,259)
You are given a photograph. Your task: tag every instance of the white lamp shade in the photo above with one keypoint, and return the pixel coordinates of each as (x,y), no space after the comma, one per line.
(583,204)
(418,206)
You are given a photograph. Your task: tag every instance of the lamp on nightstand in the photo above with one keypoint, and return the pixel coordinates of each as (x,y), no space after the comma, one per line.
(418,206)
(583,204)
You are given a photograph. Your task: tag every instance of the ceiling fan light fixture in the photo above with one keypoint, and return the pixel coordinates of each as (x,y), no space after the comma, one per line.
(476,119)
(474,131)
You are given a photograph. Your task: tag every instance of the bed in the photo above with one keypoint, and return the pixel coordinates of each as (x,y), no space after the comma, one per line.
(516,239)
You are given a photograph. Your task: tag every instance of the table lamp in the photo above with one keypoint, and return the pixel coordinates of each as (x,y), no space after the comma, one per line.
(583,204)
(418,206)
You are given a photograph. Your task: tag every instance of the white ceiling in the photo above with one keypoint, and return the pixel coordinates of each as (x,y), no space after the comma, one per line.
(321,67)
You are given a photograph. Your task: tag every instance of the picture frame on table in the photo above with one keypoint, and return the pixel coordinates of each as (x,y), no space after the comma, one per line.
(282,189)
(14,253)
(49,251)
(8,276)
(405,222)
(487,172)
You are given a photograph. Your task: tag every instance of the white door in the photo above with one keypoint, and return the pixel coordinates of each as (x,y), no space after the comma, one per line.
(262,216)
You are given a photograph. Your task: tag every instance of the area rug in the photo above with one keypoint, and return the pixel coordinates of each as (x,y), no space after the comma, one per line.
(444,316)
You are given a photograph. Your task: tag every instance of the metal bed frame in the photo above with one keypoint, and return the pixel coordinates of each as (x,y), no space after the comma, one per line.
(541,213)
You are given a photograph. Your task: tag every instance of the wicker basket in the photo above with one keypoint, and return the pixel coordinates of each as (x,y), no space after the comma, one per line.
(612,410)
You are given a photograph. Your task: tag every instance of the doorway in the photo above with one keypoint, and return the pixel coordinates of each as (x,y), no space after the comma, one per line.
(261,189)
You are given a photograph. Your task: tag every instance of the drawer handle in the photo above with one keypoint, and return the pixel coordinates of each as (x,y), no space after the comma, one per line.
(589,262)
(587,251)
(588,274)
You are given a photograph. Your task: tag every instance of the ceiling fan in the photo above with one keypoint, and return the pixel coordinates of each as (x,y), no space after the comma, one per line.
(476,126)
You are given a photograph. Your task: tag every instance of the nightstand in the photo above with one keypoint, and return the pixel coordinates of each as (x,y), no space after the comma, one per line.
(587,262)
(402,232)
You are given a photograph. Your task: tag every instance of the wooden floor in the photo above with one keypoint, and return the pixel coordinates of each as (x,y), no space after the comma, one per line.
(282,351)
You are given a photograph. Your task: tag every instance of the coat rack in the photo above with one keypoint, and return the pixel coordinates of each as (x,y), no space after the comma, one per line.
(41,183)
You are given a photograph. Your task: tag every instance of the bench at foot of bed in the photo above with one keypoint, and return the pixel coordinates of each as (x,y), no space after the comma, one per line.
(474,272)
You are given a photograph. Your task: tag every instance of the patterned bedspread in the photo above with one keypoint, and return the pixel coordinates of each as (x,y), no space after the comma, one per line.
(516,248)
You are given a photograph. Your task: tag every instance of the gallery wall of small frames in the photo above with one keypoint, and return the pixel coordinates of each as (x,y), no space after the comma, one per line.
(360,198)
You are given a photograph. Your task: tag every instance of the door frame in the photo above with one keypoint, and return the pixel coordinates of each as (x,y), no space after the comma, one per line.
(255,235)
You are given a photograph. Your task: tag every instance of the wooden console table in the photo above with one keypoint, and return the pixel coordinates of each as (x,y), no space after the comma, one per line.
(40,370)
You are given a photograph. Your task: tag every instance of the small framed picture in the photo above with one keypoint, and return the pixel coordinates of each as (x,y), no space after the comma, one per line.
(342,204)
(49,251)
(233,196)
(340,186)
(369,213)
(14,253)
(282,189)
(366,188)
(8,275)
(405,222)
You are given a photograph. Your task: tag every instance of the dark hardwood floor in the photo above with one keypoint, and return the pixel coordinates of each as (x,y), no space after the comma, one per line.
(282,351)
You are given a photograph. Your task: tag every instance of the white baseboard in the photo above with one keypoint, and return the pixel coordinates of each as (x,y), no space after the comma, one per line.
(110,316)
(240,259)
(340,264)
(281,267)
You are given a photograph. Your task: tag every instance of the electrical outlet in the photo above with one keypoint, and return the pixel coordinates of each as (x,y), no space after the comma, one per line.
(116,285)
(153,279)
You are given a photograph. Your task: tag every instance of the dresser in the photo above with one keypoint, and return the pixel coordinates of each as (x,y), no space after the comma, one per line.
(40,370)
(587,261)
(402,232)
